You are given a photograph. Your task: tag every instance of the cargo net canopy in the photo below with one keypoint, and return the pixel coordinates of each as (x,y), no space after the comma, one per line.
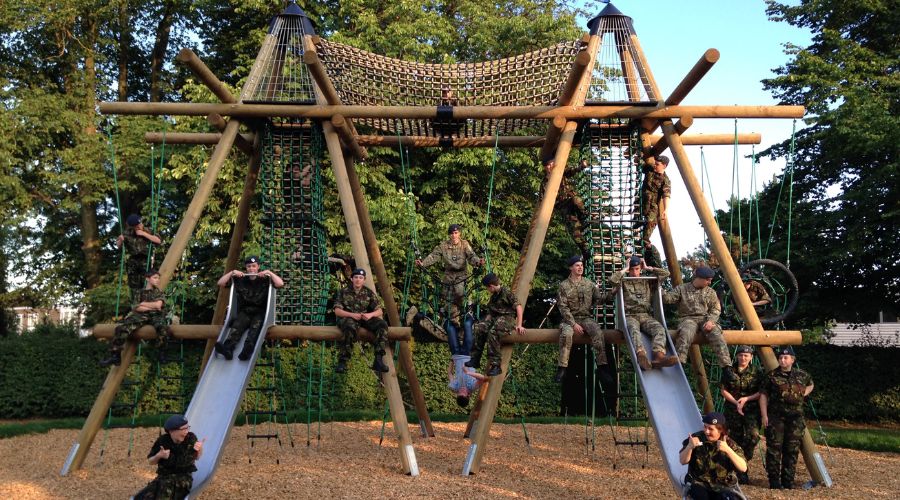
(531,79)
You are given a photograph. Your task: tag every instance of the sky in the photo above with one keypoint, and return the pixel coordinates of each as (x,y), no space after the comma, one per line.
(674,35)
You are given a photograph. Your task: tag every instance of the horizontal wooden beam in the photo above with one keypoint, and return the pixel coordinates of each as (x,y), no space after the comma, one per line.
(200,138)
(532,335)
(393,141)
(713,139)
(346,132)
(662,145)
(459,112)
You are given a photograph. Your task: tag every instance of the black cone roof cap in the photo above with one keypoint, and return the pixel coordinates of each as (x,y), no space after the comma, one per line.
(609,11)
(292,9)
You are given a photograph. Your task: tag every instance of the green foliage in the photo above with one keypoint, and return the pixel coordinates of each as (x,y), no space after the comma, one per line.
(882,440)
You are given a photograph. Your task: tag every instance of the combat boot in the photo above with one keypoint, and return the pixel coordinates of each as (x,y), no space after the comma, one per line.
(774,485)
(560,374)
(377,364)
(728,374)
(642,361)
(411,315)
(224,351)
(743,478)
(494,370)
(115,358)
(603,375)
(341,365)
(475,360)
(660,360)
(247,351)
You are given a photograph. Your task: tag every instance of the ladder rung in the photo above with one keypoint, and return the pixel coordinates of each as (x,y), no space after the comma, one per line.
(248,413)
(170,395)
(631,443)
(262,436)
(261,389)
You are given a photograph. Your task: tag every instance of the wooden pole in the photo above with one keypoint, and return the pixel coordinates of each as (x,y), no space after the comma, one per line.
(201,138)
(710,139)
(393,141)
(344,130)
(94,420)
(386,290)
(357,242)
(701,67)
(680,127)
(190,59)
(732,277)
(583,62)
(219,124)
(322,111)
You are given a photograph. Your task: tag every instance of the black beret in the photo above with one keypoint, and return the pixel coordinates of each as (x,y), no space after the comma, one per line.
(253,259)
(713,418)
(781,351)
(744,349)
(133,220)
(574,259)
(634,261)
(453,227)
(358,272)
(704,272)
(175,422)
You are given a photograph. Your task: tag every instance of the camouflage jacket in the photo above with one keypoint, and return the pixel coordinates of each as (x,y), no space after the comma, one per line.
(710,467)
(757,292)
(502,303)
(252,292)
(153,294)
(637,293)
(577,299)
(746,383)
(453,256)
(656,186)
(694,302)
(784,390)
(182,457)
(363,301)
(137,247)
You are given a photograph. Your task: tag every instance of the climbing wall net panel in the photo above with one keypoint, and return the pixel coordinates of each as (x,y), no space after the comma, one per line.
(532,79)
(619,74)
(610,188)
(294,244)
(284,76)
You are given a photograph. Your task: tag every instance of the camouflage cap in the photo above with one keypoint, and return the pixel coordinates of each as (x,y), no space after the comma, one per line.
(742,349)
(175,422)
(714,418)
(358,272)
(704,272)
(490,279)
(133,220)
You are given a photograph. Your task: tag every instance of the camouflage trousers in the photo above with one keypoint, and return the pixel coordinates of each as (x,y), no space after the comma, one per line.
(744,429)
(592,329)
(349,327)
(489,330)
(689,327)
(651,214)
(646,324)
(783,437)
(134,271)
(132,322)
(453,292)
(252,319)
(167,487)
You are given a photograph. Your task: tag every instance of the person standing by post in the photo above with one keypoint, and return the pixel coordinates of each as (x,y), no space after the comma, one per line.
(741,404)
(782,394)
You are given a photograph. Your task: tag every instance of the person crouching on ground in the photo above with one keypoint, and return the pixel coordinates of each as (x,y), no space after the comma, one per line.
(173,454)
(713,459)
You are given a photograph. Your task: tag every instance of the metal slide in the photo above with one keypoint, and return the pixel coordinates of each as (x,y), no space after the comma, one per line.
(667,395)
(218,396)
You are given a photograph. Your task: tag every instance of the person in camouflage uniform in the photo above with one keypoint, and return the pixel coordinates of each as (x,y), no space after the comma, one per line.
(357,306)
(252,290)
(782,394)
(137,248)
(741,406)
(713,459)
(569,205)
(173,454)
(455,253)
(655,193)
(149,310)
(578,296)
(699,310)
(638,311)
(504,316)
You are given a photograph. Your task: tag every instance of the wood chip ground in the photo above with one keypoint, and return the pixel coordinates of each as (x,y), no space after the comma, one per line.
(347,462)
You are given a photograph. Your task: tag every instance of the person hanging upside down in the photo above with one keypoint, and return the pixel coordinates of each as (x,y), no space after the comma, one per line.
(463,380)
(252,290)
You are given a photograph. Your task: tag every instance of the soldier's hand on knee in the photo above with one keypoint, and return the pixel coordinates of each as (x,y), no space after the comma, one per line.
(709,325)
(578,329)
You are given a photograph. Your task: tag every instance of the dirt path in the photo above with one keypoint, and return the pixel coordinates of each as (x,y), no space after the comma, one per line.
(349,464)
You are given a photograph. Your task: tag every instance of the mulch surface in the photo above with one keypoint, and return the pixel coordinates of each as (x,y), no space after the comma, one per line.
(347,462)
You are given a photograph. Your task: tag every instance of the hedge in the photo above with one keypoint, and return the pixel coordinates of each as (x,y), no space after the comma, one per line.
(50,373)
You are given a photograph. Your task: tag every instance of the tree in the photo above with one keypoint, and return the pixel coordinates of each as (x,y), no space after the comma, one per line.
(846,222)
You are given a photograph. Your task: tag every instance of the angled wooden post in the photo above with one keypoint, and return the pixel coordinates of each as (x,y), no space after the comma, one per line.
(733,278)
